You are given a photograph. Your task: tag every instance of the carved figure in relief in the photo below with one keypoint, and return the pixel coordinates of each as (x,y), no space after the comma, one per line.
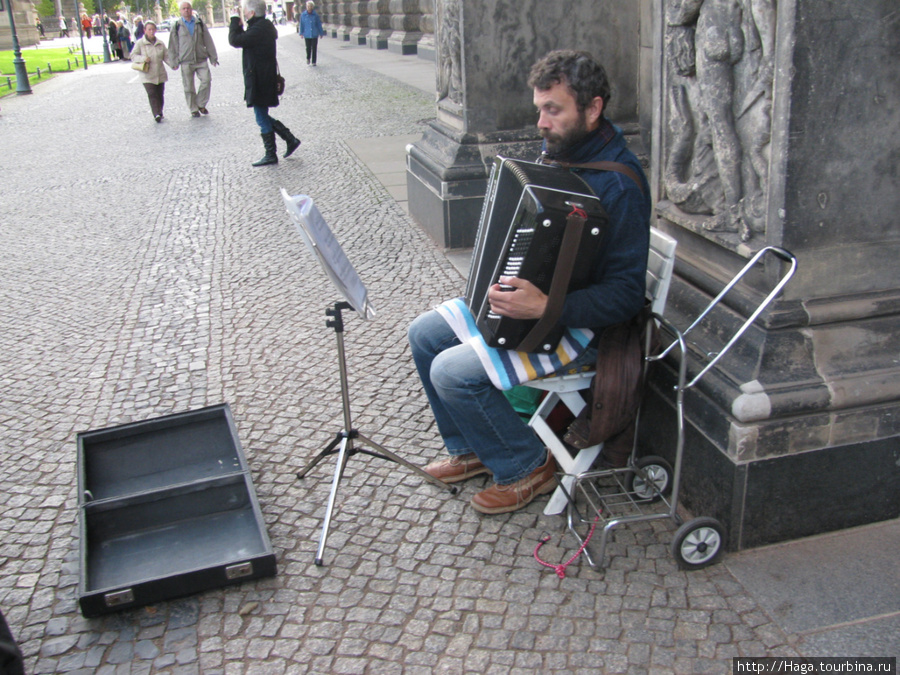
(720,55)
(753,112)
(449,53)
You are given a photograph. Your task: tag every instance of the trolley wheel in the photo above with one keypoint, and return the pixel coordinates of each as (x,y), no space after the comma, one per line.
(657,483)
(698,543)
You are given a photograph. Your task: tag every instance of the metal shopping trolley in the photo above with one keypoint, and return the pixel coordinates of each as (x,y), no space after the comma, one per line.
(647,488)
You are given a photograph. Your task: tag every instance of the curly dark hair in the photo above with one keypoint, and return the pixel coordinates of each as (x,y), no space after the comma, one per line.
(579,70)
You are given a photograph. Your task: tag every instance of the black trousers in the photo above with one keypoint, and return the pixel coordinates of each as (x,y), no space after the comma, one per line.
(156,93)
(312,46)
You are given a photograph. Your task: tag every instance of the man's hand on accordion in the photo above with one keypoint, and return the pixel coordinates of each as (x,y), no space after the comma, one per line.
(517,299)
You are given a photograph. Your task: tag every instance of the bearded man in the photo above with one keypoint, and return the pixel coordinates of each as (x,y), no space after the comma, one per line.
(481,430)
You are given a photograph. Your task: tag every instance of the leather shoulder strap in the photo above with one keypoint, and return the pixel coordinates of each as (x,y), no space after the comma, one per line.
(559,284)
(618,167)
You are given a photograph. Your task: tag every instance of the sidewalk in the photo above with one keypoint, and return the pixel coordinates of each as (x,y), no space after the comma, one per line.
(149,269)
(839,593)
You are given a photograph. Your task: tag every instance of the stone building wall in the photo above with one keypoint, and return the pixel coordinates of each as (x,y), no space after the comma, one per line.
(402,26)
(23,15)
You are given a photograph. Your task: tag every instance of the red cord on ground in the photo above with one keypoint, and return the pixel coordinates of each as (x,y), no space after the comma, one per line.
(561,569)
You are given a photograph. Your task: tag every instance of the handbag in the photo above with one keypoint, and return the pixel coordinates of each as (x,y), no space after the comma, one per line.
(279,81)
(143,66)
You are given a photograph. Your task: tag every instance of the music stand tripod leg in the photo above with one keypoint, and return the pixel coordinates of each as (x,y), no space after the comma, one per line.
(344,453)
(452,489)
(329,450)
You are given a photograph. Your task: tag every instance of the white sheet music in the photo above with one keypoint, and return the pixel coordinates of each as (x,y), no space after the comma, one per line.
(322,243)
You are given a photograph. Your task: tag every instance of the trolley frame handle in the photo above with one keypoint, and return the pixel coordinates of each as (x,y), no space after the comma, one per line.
(781,253)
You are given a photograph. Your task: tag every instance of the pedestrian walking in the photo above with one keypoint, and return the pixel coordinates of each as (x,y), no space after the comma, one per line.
(86,25)
(191,49)
(138,28)
(39,26)
(113,30)
(311,30)
(153,52)
(124,37)
(260,70)
(63,27)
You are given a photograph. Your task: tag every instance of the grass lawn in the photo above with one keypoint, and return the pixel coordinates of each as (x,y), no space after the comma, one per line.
(59,59)
(49,61)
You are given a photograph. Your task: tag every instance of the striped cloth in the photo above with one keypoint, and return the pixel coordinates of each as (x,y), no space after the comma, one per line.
(505,367)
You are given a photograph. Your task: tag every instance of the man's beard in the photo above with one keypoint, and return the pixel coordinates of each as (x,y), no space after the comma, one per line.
(562,144)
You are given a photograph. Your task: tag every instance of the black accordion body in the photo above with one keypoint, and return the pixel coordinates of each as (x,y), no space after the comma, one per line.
(522,233)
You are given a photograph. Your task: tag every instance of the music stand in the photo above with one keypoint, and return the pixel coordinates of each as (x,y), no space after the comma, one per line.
(326,249)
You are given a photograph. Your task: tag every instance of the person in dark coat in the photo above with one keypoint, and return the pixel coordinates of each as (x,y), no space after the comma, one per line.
(113,30)
(260,70)
(124,37)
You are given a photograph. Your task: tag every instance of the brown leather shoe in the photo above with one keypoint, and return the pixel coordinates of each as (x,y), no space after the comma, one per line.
(506,498)
(457,468)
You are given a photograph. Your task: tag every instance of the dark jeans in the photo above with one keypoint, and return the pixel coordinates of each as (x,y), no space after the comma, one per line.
(312,46)
(263,119)
(156,94)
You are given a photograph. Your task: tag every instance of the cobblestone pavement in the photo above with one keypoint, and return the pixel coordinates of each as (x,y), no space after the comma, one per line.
(149,269)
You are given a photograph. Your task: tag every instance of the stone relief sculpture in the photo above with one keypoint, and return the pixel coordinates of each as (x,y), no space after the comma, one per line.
(449,51)
(720,67)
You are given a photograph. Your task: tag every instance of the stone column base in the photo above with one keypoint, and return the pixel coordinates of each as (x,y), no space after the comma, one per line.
(425,47)
(377,39)
(358,36)
(768,500)
(446,178)
(403,42)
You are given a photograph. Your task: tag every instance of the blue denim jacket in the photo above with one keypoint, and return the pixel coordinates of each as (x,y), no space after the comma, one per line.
(617,291)
(310,25)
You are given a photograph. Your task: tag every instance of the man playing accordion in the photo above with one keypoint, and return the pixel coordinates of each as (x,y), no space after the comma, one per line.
(481,430)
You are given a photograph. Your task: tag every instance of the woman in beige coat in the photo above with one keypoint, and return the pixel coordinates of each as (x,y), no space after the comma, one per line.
(149,49)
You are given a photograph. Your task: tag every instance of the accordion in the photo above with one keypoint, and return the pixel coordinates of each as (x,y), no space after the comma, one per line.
(525,230)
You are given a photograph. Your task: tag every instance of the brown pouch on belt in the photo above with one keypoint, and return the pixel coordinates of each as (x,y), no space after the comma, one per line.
(615,391)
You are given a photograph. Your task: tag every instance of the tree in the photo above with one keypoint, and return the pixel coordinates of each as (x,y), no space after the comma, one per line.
(110,7)
(46,8)
(199,7)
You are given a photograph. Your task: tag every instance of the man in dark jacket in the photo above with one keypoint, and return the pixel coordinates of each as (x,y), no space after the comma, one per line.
(260,70)
(480,429)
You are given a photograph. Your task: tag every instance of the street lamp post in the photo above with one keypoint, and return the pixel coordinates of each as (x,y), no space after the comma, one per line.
(80,33)
(105,29)
(22,84)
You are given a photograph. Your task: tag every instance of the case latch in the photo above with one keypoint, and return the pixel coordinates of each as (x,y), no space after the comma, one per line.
(118,598)
(239,571)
